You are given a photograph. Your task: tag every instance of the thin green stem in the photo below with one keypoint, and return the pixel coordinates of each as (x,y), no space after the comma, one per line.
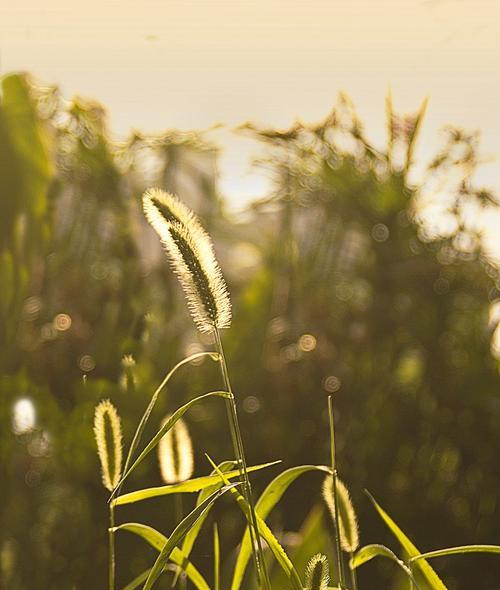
(257,551)
(354,576)
(340,563)
(179,515)
(216,558)
(111,540)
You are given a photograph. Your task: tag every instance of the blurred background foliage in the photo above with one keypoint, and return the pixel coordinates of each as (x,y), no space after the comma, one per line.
(351,278)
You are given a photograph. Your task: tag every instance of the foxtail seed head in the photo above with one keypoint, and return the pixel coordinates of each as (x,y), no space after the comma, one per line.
(317,573)
(192,258)
(107,427)
(175,453)
(348,526)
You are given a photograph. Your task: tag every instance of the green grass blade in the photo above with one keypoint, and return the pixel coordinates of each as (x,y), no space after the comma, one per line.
(422,566)
(192,534)
(158,541)
(193,485)
(267,501)
(266,533)
(180,530)
(145,417)
(170,423)
(216,558)
(136,582)
(368,552)
(458,551)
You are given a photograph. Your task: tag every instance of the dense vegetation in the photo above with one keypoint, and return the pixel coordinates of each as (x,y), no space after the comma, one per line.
(339,285)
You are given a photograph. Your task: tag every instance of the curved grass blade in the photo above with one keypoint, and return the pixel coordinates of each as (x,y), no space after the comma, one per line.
(165,428)
(136,582)
(147,413)
(457,551)
(194,531)
(180,530)
(273,543)
(267,501)
(425,569)
(158,541)
(368,552)
(193,485)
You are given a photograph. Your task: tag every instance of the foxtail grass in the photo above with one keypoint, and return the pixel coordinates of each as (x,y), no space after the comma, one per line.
(348,522)
(317,573)
(175,453)
(192,258)
(107,425)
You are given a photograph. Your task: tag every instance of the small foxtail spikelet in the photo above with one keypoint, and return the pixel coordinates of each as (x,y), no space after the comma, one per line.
(317,573)
(348,526)
(175,453)
(192,257)
(107,427)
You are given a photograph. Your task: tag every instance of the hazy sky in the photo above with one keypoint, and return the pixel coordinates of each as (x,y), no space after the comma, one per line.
(188,64)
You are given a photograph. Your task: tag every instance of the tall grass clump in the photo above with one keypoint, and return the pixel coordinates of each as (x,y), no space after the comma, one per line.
(192,258)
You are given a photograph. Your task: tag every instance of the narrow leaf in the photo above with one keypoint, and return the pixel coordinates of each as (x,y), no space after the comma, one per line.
(165,428)
(425,569)
(158,541)
(180,530)
(368,552)
(194,485)
(136,582)
(458,551)
(267,501)
(147,413)
(266,533)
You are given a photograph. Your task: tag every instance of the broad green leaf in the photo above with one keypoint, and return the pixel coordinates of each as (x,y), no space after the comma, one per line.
(266,533)
(180,530)
(457,551)
(267,501)
(196,484)
(170,423)
(425,569)
(368,552)
(158,541)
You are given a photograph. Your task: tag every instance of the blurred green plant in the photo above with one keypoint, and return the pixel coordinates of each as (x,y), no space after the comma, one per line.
(357,276)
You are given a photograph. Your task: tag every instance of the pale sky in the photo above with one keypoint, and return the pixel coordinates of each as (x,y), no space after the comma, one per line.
(159,64)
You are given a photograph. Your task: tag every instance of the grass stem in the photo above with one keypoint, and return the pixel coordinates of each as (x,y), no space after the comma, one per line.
(111,539)
(257,551)
(340,562)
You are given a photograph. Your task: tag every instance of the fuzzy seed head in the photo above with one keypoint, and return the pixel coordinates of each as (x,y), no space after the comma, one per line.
(317,573)
(192,258)
(108,429)
(175,453)
(348,526)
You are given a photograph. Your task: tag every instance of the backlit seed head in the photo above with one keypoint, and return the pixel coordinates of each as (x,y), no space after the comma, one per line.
(175,453)
(348,525)
(192,257)
(108,433)
(317,573)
